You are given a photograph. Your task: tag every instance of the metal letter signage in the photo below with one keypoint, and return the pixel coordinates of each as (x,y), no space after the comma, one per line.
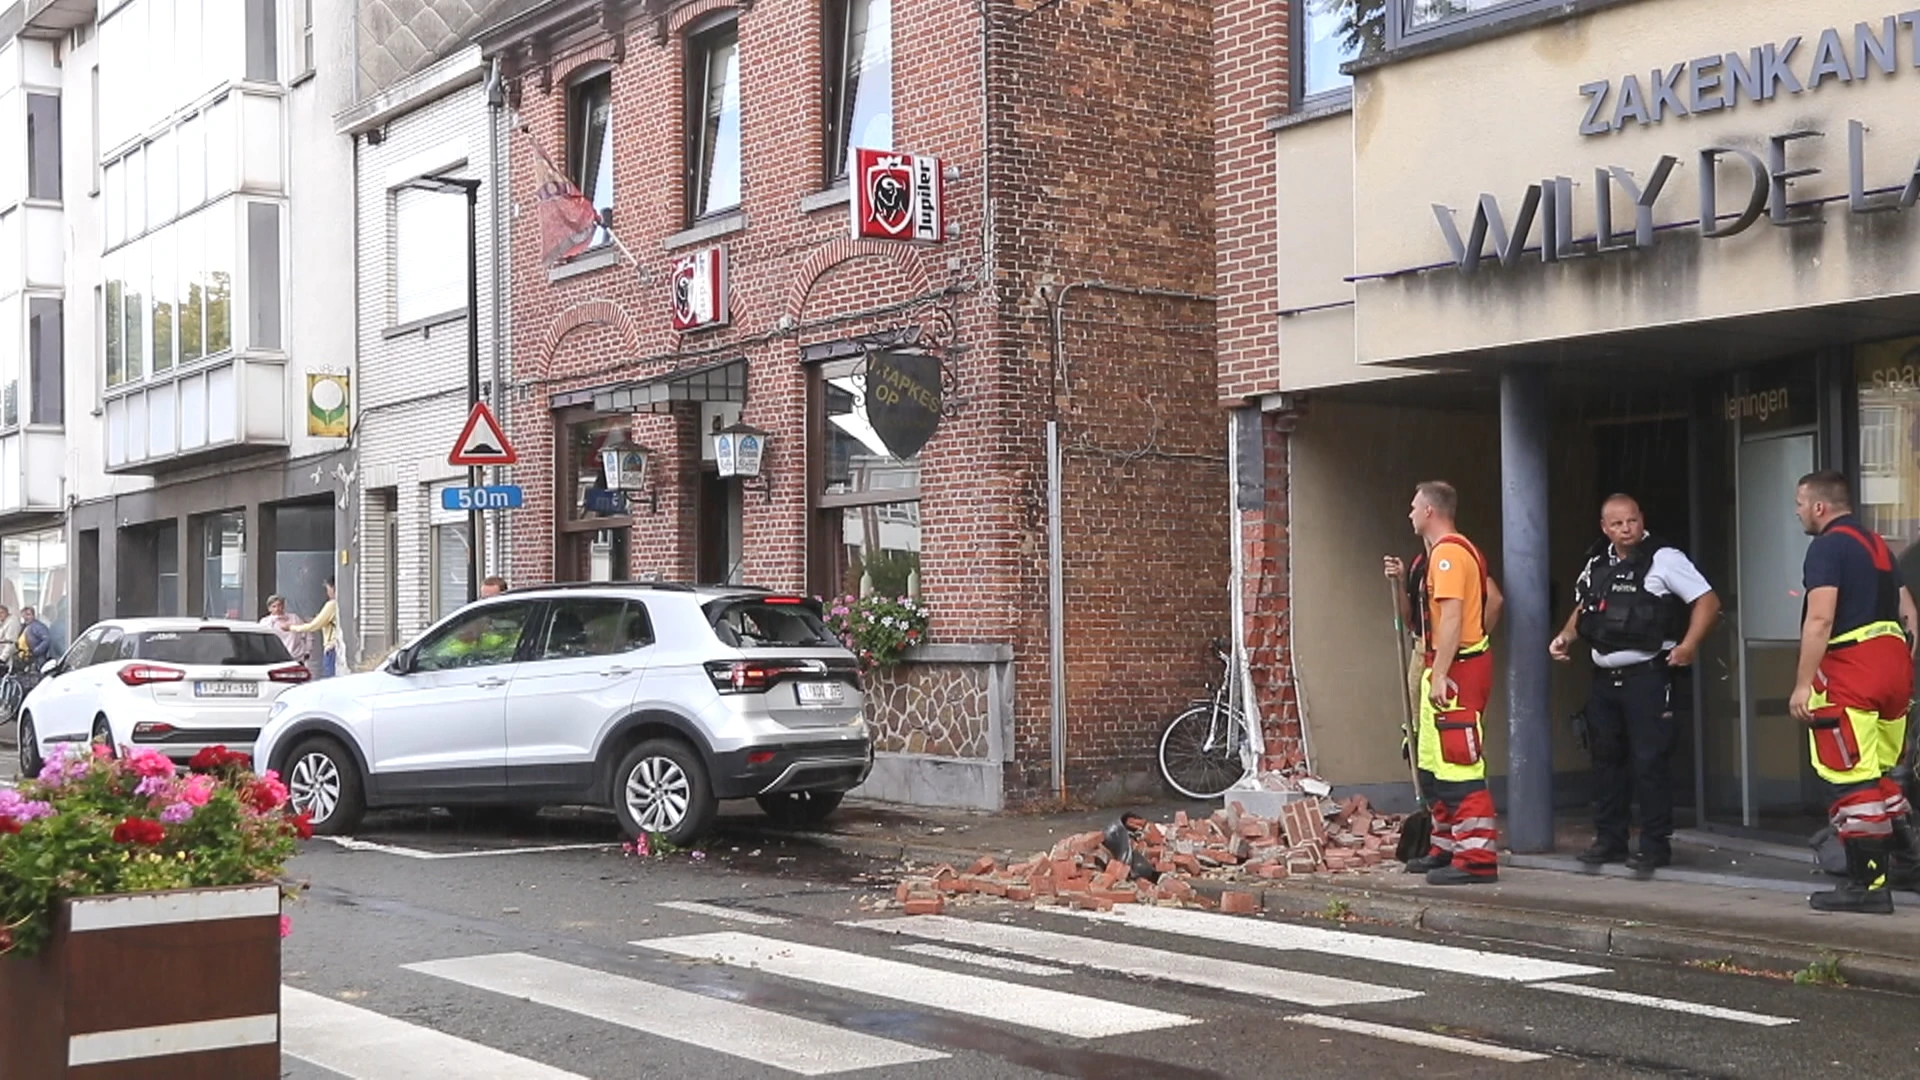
(903,399)
(700,289)
(897,197)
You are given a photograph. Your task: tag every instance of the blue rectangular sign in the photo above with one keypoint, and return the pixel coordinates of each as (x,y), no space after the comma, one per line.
(497,497)
(602,501)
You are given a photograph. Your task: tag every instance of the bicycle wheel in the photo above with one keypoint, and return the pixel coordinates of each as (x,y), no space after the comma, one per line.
(1199,756)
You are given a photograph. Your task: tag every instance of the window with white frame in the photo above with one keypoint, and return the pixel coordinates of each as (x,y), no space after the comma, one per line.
(43,146)
(429,254)
(590,145)
(449,538)
(858,64)
(713,120)
(305,47)
(46,364)
(168,296)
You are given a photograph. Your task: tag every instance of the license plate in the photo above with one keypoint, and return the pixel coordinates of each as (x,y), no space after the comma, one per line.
(819,693)
(225,689)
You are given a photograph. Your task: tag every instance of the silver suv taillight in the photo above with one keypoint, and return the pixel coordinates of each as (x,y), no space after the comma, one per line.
(759,676)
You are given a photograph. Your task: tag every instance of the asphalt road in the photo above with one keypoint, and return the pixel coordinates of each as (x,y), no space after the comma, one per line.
(543,951)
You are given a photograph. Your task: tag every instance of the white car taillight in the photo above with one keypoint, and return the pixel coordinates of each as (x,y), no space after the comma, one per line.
(293,673)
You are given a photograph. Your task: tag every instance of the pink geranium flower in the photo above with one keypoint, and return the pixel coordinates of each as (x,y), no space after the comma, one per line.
(197,789)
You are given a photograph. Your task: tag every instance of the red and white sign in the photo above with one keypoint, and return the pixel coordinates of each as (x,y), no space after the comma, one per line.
(700,295)
(897,197)
(482,442)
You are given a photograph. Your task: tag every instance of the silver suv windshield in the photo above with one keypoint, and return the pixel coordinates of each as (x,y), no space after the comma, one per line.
(769,622)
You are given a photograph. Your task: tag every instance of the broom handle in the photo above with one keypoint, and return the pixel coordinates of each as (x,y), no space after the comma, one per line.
(1406,703)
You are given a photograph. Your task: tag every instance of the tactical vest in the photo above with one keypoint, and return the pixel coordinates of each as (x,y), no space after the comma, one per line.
(1617,613)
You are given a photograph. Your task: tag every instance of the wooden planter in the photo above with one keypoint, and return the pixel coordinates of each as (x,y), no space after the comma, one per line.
(154,986)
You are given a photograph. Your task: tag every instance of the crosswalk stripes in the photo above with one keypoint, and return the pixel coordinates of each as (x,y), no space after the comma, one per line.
(742,1031)
(1286,937)
(975,995)
(1139,961)
(920,973)
(364,1045)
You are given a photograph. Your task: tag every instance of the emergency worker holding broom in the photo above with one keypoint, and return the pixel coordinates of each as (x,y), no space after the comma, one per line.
(1854,687)
(1460,604)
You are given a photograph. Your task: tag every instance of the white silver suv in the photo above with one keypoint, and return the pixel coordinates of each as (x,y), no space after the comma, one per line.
(657,699)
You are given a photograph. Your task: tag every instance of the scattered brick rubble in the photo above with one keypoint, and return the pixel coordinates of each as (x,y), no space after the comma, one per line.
(1312,835)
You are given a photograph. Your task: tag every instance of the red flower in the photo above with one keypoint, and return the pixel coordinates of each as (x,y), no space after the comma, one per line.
(138,831)
(8,825)
(303,824)
(216,757)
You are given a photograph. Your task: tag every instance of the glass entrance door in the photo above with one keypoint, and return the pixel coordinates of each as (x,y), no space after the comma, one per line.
(1775,790)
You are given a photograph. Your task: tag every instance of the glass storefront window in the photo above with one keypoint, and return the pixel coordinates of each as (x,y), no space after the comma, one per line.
(1888,377)
(33,573)
(302,555)
(867,535)
(224,555)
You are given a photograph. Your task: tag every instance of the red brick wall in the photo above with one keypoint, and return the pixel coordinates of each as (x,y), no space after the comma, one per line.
(1101,168)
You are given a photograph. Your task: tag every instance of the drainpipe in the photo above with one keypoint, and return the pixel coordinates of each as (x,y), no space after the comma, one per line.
(1524,437)
(496,186)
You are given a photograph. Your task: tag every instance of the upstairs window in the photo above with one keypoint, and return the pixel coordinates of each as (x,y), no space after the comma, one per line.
(43,146)
(429,255)
(858,64)
(1331,33)
(306,38)
(590,145)
(713,121)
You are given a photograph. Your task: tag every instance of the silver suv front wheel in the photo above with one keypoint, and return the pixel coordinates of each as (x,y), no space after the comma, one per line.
(661,788)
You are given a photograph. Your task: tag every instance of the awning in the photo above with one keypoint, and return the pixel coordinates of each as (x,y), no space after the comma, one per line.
(724,380)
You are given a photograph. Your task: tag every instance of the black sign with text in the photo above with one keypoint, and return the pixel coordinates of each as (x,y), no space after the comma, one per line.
(903,399)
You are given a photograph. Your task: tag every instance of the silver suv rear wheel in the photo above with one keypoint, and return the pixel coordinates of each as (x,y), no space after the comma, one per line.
(661,788)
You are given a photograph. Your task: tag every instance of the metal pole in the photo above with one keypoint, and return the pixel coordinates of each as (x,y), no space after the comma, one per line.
(473,374)
(1524,437)
(1056,613)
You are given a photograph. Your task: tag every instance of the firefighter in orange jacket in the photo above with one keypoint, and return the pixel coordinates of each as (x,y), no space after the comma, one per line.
(1854,685)
(1462,605)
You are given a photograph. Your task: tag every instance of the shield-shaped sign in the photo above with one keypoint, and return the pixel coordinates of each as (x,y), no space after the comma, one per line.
(903,399)
(888,184)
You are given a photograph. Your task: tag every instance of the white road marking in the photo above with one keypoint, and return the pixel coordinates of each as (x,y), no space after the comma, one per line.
(973,995)
(365,1045)
(726,1027)
(1236,930)
(1299,988)
(1669,1004)
(352,844)
(752,918)
(1416,1038)
(998,963)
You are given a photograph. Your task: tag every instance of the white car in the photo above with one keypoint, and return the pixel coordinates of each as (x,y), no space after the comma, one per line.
(172,685)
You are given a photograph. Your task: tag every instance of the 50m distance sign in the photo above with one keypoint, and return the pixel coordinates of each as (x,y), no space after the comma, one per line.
(469,499)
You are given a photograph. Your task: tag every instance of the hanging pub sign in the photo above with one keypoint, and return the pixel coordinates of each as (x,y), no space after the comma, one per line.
(903,399)
(897,196)
(700,292)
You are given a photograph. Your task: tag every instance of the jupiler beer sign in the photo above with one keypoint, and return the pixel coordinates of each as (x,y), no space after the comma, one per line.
(1544,219)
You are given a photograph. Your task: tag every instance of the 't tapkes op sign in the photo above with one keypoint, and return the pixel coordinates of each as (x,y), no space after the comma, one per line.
(1877,179)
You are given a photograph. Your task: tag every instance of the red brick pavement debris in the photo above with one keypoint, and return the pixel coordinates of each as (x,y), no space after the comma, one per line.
(1311,836)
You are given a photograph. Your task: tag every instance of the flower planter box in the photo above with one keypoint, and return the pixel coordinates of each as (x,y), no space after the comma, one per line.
(154,986)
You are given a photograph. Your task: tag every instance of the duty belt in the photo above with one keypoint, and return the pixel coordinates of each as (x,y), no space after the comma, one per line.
(1658,663)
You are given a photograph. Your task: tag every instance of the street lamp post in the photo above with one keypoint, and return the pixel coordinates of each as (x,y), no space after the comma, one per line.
(448,185)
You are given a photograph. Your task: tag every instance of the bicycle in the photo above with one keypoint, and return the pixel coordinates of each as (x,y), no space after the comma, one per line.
(14,685)
(1201,750)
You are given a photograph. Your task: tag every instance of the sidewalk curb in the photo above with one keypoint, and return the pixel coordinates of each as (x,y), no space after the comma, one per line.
(1610,937)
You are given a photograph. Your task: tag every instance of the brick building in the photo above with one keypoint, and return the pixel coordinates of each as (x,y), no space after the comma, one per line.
(1070,294)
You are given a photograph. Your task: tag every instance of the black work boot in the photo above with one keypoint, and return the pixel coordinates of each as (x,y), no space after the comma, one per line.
(1865,892)
(1599,853)
(1429,862)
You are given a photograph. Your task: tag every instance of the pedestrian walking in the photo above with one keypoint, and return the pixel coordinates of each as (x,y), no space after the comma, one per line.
(327,624)
(1854,686)
(1461,606)
(1643,608)
(36,641)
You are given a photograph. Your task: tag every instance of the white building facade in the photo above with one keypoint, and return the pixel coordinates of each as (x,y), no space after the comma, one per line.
(204,280)
(412,306)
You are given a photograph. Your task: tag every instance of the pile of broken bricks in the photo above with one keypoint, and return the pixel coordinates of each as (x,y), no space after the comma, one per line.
(1156,862)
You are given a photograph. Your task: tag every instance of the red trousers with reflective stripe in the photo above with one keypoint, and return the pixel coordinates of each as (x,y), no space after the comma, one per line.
(1463,824)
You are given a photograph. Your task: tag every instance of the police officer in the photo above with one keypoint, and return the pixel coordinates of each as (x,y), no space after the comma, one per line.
(1631,607)
(1853,686)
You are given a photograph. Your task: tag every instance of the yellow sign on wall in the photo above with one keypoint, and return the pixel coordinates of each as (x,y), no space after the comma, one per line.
(328,401)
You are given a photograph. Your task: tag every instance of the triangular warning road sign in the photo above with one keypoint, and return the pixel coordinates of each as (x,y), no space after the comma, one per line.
(482,442)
